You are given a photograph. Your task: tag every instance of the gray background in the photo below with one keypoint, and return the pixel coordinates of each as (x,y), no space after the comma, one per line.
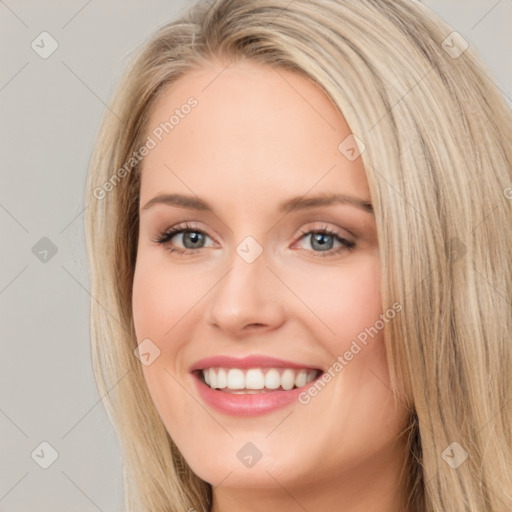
(50,112)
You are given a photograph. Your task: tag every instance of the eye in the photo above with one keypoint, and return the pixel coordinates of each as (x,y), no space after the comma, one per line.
(191,238)
(322,241)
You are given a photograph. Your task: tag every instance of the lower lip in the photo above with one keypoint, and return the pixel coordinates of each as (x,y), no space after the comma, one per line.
(254,404)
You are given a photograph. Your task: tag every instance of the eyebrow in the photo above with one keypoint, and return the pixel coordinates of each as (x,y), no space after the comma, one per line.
(293,204)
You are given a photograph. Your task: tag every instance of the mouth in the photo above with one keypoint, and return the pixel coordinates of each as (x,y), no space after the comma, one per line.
(252,385)
(249,381)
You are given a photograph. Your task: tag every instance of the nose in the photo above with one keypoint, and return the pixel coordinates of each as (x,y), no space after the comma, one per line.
(247,299)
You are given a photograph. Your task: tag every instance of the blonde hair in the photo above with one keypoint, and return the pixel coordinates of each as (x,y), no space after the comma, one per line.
(438,160)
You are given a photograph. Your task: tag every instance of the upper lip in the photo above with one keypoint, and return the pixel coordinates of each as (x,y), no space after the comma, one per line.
(254,361)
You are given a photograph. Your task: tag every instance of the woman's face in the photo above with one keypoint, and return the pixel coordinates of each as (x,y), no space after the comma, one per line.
(278,259)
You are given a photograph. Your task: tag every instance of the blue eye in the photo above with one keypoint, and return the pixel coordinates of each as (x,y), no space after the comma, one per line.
(192,238)
(322,240)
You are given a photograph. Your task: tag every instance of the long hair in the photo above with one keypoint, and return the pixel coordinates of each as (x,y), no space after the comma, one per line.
(438,158)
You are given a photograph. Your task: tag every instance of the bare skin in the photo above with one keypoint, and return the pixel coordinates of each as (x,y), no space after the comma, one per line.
(256,139)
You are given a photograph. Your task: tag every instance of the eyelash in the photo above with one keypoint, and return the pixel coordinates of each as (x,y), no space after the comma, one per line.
(165,237)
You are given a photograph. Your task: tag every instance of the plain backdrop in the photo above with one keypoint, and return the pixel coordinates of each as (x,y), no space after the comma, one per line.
(50,111)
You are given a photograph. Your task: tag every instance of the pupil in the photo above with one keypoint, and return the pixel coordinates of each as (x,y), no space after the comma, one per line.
(320,239)
(194,237)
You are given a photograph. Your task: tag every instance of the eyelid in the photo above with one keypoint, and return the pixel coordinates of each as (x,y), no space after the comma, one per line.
(324,226)
(163,238)
(346,243)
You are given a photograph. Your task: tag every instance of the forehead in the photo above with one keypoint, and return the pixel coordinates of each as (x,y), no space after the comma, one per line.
(254,133)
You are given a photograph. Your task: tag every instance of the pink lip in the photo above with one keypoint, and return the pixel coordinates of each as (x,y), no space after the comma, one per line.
(247,404)
(255,361)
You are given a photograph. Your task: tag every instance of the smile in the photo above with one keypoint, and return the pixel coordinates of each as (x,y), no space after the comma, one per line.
(252,385)
(257,380)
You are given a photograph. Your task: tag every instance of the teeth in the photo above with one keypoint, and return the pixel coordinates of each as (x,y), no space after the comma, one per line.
(272,379)
(236,379)
(221,380)
(288,379)
(301,378)
(212,378)
(257,378)
(254,379)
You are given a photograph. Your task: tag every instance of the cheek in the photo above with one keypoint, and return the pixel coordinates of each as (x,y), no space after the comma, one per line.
(161,297)
(342,300)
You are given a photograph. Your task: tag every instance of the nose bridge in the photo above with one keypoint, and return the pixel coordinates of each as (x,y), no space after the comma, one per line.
(244,296)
